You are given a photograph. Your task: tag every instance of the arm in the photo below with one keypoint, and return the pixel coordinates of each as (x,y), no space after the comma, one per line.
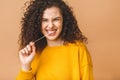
(25,75)
(86,71)
(26,56)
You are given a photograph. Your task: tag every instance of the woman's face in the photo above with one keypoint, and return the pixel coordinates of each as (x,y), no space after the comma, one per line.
(52,21)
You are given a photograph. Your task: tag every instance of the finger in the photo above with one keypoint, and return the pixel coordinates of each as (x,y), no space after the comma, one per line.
(22,51)
(29,49)
(26,50)
(33,47)
(32,44)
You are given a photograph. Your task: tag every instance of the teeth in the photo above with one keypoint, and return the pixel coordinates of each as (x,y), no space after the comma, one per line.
(50,32)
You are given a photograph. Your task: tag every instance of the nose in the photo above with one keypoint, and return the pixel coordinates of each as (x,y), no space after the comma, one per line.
(50,24)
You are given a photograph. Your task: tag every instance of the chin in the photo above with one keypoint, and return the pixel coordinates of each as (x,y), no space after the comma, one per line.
(53,38)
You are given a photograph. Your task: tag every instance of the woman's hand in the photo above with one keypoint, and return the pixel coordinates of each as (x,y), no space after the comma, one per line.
(26,56)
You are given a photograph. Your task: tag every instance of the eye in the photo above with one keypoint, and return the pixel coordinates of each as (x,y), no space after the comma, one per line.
(57,19)
(44,20)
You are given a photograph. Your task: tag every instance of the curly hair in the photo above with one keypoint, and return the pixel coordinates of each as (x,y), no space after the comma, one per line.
(31,23)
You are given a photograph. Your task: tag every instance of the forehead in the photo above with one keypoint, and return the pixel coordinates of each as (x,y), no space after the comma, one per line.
(52,12)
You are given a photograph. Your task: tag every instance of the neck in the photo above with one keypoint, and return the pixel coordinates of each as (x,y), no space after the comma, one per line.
(54,42)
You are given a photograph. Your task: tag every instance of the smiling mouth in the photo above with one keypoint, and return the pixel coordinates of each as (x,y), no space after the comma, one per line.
(51,32)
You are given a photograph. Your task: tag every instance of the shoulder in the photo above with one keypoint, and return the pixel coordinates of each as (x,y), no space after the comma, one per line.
(80,50)
(84,54)
(78,44)
(83,50)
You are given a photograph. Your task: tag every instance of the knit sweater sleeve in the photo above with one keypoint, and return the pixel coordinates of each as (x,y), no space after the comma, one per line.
(29,75)
(25,75)
(86,67)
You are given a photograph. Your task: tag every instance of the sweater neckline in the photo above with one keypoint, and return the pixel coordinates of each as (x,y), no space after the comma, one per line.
(53,47)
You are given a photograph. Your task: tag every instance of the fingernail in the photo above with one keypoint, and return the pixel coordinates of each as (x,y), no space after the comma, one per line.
(31,43)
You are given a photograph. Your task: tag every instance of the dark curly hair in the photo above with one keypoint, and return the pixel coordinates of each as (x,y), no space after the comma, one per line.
(31,23)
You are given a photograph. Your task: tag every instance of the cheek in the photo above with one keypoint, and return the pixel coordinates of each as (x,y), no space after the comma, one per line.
(42,29)
(43,26)
(59,25)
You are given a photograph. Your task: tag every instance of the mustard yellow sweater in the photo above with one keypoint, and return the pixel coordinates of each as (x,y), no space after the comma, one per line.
(66,62)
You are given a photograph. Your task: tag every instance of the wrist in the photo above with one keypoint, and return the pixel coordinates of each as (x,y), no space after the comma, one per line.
(26,67)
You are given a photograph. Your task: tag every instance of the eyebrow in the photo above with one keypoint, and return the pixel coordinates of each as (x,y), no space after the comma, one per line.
(54,18)
(57,17)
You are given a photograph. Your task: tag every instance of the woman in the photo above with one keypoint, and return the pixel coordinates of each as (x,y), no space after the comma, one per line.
(60,54)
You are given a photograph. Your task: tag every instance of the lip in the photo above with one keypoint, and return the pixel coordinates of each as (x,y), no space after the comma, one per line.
(51,32)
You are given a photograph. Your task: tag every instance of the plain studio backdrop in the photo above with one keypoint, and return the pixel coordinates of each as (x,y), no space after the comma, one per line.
(99,20)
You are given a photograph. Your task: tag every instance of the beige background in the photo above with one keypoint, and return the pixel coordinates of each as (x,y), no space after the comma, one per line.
(98,19)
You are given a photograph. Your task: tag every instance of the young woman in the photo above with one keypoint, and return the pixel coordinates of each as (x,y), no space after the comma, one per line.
(60,54)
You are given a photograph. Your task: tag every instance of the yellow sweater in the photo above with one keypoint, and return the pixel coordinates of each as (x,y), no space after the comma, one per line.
(66,62)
